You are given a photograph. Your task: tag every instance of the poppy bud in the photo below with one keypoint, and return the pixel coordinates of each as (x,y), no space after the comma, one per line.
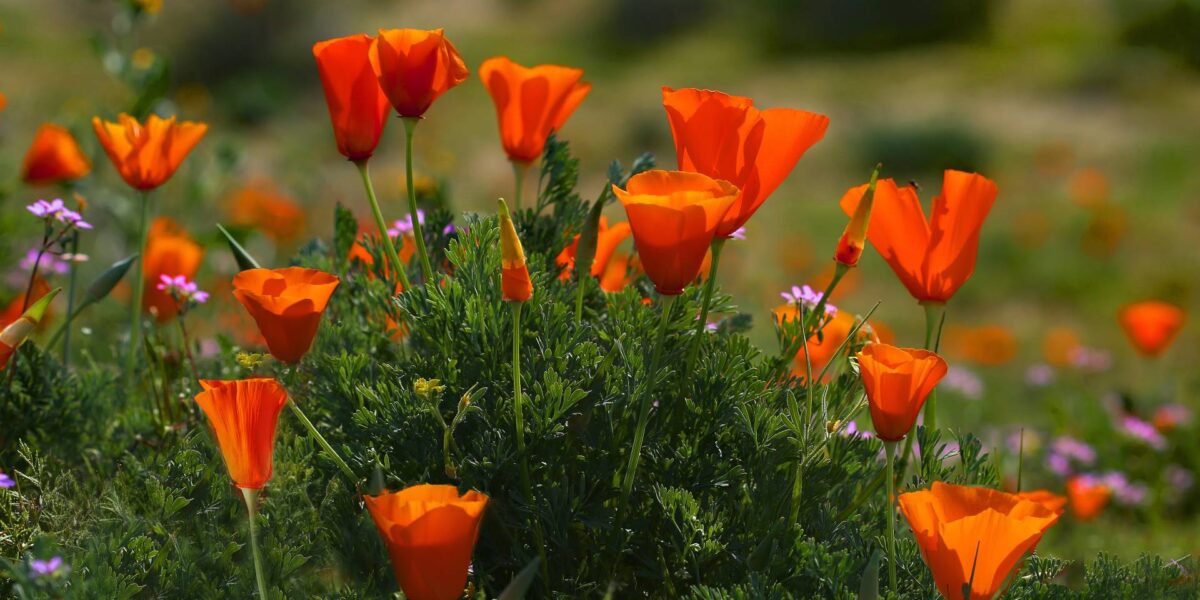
(514,280)
(850,245)
(19,330)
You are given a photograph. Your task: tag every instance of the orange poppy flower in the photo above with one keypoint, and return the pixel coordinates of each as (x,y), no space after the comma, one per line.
(18,305)
(357,107)
(3,101)
(243,415)
(897,381)
(531,102)
(430,533)
(169,251)
(287,305)
(147,155)
(18,330)
(822,347)
(674,216)
(607,240)
(1057,504)
(1059,346)
(261,205)
(1152,325)
(932,258)
(973,536)
(725,137)
(54,157)
(622,270)
(414,67)
(1088,497)
(991,345)
(514,274)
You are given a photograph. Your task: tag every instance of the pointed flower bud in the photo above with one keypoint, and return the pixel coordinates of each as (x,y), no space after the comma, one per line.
(854,238)
(514,280)
(19,330)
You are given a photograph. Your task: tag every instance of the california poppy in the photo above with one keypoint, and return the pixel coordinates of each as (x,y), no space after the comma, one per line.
(992,345)
(54,157)
(261,205)
(726,137)
(169,251)
(357,106)
(287,305)
(854,237)
(430,533)
(531,102)
(1152,325)
(936,257)
(973,536)
(897,381)
(622,270)
(414,67)
(822,346)
(674,216)
(243,415)
(515,285)
(16,332)
(1056,503)
(1059,345)
(146,155)
(607,240)
(1088,497)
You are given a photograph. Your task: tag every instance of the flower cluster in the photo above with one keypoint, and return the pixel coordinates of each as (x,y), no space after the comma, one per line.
(57,210)
(808,298)
(185,292)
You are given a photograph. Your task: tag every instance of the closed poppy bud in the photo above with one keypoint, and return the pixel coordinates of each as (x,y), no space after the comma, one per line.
(850,245)
(16,332)
(414,67)
(674,216)
(243,415)
(1088,497)
(287,305)
(430,533)
(147,155)
(531,102)
(54,157)
(172,252)
(515,285)
(357,107)
(1152,325)
(897,381)
(973,538)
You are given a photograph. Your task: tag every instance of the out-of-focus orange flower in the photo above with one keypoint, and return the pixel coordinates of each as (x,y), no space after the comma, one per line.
(973,534)
(147,155)
(287,305)
(357,106)
(243,415)
(1056,503)
(607,240)
(531,102)
(823,347)
(897,381)
(169,251)
(674,216)
(54,157)
(14,333)
(879,332)
(621,271)
(1152,325)
(1089,188)
(430,533)
(261,205)
(1059,345)
(18,305)
(934,257)
(726,137)
(849,283)
(414,67)
(3,102)
(1169,417)
(991,345)
(1088,497)
(515,285)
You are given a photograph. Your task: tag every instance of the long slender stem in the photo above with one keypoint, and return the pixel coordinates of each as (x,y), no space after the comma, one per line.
(37,262)
(251,497)
(639,434)
(519,419)
(932,315)
(819,310)
(705,301)
(410,124)
(890,450)
(139,290)
(66,347)
(187,347)
(519,170)
(388,247)
(333,455)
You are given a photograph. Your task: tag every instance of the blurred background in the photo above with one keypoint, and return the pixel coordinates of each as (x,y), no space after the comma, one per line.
(1085,112)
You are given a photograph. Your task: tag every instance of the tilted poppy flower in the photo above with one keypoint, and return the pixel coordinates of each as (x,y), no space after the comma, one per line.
(932,258)
(430,533)
(16,332)
(243,415)
(287,305)
(607,240)
(357,106)
(54,157)
(674,216)
(822,347)
(169,251)
(147,155)
(531,102)
(726,137)
(897,381)
(1057,504)
(515,285)
(261,205)
(973,536)
(1152,325)
(414,67)
(1088,496)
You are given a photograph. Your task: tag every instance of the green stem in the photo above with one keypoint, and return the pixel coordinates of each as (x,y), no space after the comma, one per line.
(251,497)
(890,450)
(579,289)
(139,290)
(337,459)
(639,434)
(933,312)
(705,301)
(519,170)
(519,418)
(66,348)
(410,125)
(818,311)
(388,247)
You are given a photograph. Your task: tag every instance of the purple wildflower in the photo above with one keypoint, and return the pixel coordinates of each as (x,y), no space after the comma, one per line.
(448,229)
(49,262)
(1179,478)
(738,234)
(46,568)
(964,382)
(1074,449)
(405,226)
(1124,491)
(183,290)
(852,430)
(58,211)
(1039,375)
(1058,464)
(1090,359)
(1144,431)
(808,297)
(6,482)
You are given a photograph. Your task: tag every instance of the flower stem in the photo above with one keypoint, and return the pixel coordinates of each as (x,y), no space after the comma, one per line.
(187,347)
(818,312)
(933,312)
(388,247)
(333,455)
(410,124)
(519,419)
(251,497)
(890,450)
(519,171)
(66,347)
(705,301)
(639,434)
(139,290)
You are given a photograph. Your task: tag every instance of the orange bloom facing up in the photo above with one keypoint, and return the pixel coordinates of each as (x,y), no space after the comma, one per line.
(934,257)
(54,157)
(147,155)
(16,332)
(243,414)
(1088,497)
(897,381)
(607,240)
(169,251)
(726,137)
(414,67)
(1057,504)
(287,305)
(531,102)
(970,530)
(261,205)
(1152,325)
(430,533)
(357,107)
(674,216)
(514,274)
